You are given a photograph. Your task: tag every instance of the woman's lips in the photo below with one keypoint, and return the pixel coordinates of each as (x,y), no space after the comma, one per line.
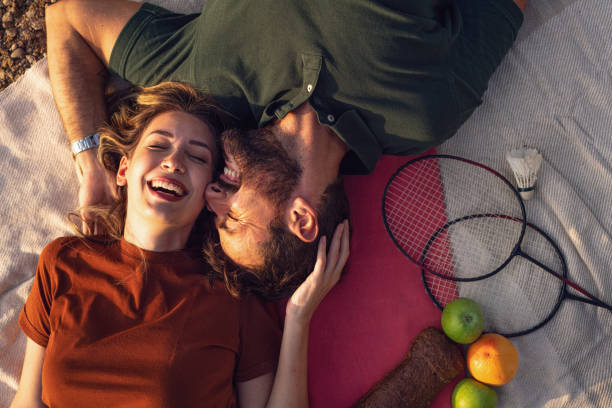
(161,184)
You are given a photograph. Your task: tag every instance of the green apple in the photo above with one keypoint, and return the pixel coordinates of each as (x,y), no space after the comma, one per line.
(462,320)
(469,393)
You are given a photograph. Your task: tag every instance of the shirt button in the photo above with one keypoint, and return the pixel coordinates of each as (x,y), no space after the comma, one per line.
(309,88)
(330,118)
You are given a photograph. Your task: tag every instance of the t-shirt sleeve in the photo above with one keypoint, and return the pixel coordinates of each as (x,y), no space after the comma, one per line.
(34,318)
(260,338)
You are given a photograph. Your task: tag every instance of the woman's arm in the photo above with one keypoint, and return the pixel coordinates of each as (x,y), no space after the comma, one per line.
(30,386)
(289,387)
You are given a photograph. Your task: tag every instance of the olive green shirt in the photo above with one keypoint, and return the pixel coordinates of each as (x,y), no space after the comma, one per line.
(381,74)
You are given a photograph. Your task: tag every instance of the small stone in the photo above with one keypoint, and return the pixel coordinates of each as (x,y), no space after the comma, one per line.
(7,2)
(31,59)
(10,33)
(7,18)
(26,34)
(36,24)
(18,53)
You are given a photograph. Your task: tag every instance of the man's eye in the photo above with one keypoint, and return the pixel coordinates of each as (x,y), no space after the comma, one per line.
(233,218)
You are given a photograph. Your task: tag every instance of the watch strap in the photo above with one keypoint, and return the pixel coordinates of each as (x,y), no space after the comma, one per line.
(86,143)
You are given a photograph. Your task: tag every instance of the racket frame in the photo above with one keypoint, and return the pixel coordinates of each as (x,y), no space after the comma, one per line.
(562,276)
(517,195)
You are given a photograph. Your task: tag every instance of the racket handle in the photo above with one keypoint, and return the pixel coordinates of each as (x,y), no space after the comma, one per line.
(595,299)
(432,362)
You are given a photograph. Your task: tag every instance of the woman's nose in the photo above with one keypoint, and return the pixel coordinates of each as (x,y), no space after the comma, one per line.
(174,163)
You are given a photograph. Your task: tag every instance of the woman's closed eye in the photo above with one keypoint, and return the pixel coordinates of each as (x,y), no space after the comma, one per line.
(156,147)
(199,159)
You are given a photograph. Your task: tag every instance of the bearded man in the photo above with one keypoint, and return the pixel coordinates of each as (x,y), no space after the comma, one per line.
(329,88)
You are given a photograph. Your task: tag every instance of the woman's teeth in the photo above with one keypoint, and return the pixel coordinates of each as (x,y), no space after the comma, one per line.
(167,187)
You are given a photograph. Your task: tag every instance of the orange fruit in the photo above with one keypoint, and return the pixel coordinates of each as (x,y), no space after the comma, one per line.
(493,359)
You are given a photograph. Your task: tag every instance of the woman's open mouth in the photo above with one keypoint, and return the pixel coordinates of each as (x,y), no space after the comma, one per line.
(167,189)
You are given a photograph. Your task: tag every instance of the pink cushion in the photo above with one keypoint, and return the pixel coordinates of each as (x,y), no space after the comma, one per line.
(364,327)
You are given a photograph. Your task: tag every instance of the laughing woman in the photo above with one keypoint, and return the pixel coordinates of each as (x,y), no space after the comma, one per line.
(135,319)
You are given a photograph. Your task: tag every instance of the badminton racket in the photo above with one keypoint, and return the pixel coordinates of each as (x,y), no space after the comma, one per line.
(526,294)
(418,201)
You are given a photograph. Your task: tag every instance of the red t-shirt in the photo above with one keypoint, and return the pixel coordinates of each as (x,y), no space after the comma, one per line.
(134,328)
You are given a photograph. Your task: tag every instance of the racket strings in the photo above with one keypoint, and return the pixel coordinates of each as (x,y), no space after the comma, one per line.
(472,247)
(423,196)
(516,300)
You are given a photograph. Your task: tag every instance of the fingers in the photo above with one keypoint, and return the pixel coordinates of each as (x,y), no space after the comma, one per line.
(85,228)
(321,256)
(342,255)
(89,226)
(344,250)
(331,268)
(334,248)
(96,188)
(325,275)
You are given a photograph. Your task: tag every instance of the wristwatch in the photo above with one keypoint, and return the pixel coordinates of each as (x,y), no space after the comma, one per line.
(86,143)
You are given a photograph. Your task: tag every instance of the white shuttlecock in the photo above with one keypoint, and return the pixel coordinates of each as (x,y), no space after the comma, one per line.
(525,163)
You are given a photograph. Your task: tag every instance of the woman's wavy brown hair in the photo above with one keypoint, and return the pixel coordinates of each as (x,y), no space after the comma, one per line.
(132,109)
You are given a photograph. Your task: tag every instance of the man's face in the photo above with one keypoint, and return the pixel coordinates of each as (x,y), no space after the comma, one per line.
(242,220)
(257,181)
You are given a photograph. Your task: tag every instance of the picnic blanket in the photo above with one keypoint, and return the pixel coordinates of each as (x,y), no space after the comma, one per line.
(552,92)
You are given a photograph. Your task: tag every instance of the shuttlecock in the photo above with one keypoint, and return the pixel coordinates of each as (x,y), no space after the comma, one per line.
(525,164)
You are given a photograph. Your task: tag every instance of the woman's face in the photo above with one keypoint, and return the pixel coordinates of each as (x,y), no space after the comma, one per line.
(167,173)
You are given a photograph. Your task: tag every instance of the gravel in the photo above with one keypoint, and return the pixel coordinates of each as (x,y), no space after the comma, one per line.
(22,37)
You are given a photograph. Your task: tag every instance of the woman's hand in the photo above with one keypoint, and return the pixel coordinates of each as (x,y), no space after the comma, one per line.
(325,275)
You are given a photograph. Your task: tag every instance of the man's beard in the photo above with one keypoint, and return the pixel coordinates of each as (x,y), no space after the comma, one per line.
(264,164)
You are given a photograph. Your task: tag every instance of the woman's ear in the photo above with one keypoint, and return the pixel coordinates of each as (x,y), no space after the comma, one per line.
(302,220)
(123,166)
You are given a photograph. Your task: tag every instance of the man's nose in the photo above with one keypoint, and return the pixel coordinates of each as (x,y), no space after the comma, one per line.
(216,198)
(174,163)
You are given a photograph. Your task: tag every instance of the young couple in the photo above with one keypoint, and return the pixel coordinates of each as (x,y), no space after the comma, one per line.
(136,317)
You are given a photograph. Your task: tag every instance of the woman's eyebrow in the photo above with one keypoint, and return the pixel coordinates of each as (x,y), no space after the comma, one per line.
(199,143)
(162,132)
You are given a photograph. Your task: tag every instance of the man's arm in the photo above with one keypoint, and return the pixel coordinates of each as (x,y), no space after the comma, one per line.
(80,38)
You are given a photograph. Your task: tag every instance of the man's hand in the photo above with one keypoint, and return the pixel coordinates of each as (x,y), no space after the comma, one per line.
(81,35)
(97,187)
(326,273)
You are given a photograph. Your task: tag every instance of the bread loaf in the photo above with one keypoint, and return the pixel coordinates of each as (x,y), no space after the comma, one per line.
(432,362)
